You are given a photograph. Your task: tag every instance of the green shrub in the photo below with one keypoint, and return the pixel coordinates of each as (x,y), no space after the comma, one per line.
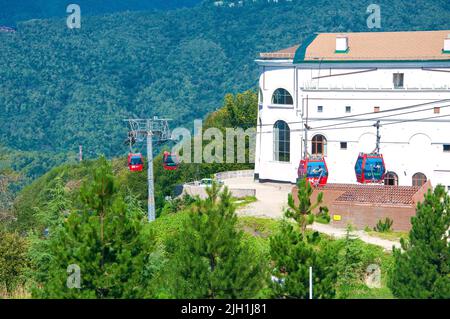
(384,226)
(323,216)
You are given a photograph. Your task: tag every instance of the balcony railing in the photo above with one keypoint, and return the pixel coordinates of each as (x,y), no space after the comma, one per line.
(355,87)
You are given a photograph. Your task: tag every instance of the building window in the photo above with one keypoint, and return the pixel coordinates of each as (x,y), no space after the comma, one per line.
(319,108)
(446,147)
(282,97)
(319,145)
(398,80)
(437,110)
(376,109)
(343,145)
(261,96)
(391,179)
(281,142)
(419,179)
(348,109)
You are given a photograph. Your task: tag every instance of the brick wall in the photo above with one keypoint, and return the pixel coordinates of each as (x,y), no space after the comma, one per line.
(362,215)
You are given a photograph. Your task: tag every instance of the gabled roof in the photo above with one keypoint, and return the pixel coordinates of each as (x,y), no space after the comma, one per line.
(369,46)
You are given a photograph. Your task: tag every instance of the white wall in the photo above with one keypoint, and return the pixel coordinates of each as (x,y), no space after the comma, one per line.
(408,148)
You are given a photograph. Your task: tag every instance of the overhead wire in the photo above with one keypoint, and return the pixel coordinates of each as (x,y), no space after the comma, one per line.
(368,113)
(333,126)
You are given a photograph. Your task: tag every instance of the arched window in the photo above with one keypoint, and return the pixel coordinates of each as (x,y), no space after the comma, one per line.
(261,96)
(281,142)
(419,179)
(319,145)
(282,96)
(391,179)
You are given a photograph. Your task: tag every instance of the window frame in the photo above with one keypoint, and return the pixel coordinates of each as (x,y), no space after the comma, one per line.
(401,83)
(346,146)
(286,96)
(281,142)
(391,176)
(316,143)
(419,177)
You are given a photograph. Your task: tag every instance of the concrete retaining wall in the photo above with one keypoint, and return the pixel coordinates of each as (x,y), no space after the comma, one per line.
(201,191)
(234,174)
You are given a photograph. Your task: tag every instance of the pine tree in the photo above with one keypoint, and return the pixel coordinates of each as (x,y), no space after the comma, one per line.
(302,212)
(423,269)
(211,260)
(51,219)
(104,239)
(14,261)
(350,264)
(292,256)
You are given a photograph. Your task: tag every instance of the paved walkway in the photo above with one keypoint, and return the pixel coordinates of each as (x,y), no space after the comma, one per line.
(272,197)
(272,201)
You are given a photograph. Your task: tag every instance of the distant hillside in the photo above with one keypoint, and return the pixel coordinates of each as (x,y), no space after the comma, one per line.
(60,88)
(12,12)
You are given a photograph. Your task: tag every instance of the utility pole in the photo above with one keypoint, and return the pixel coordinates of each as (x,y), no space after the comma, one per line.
(149,130)
(80,153)
(307,127)
(377,125)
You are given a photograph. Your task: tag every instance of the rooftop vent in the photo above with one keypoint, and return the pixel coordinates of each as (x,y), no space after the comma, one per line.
(342,44)
(447,44)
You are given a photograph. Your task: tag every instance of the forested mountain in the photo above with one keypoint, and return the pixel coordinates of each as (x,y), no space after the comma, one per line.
(19,10)
(60,88)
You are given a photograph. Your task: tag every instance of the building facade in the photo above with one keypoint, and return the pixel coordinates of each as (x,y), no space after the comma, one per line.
(326,95)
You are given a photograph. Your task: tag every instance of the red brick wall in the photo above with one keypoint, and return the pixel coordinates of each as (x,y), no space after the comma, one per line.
(366,215)
(361,216)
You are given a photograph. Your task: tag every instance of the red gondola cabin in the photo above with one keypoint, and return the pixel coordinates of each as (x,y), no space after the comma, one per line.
(170,161)
(315,170)
(135,162)
(370,168)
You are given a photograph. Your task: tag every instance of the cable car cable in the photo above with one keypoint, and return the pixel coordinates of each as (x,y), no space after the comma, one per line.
(332,126)
(368,113)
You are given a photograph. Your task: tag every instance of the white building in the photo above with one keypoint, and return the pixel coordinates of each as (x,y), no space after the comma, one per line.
(340,85)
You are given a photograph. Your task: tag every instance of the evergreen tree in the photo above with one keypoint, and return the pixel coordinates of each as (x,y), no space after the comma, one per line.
(350,265)
(423,269)
(104,239)
(302,212)
(211,259)
(292,257)
(14,261)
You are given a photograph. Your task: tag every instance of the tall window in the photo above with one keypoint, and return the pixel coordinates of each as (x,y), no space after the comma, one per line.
(261,96)
(419,179)
(391,179)
(281,142)
(282,96)
(319,145)
(398,80)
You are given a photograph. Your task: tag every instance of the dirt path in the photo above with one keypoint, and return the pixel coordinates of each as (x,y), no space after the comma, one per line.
(341,233)
(272,201)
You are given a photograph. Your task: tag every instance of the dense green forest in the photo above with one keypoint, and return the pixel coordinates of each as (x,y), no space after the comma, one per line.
(60,88)
(14,11)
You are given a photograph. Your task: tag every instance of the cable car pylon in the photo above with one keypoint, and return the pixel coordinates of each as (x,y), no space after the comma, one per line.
(149,130)
(370,167)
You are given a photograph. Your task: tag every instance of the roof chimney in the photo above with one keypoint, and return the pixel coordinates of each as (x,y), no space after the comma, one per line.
(447,44)
(341,44)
